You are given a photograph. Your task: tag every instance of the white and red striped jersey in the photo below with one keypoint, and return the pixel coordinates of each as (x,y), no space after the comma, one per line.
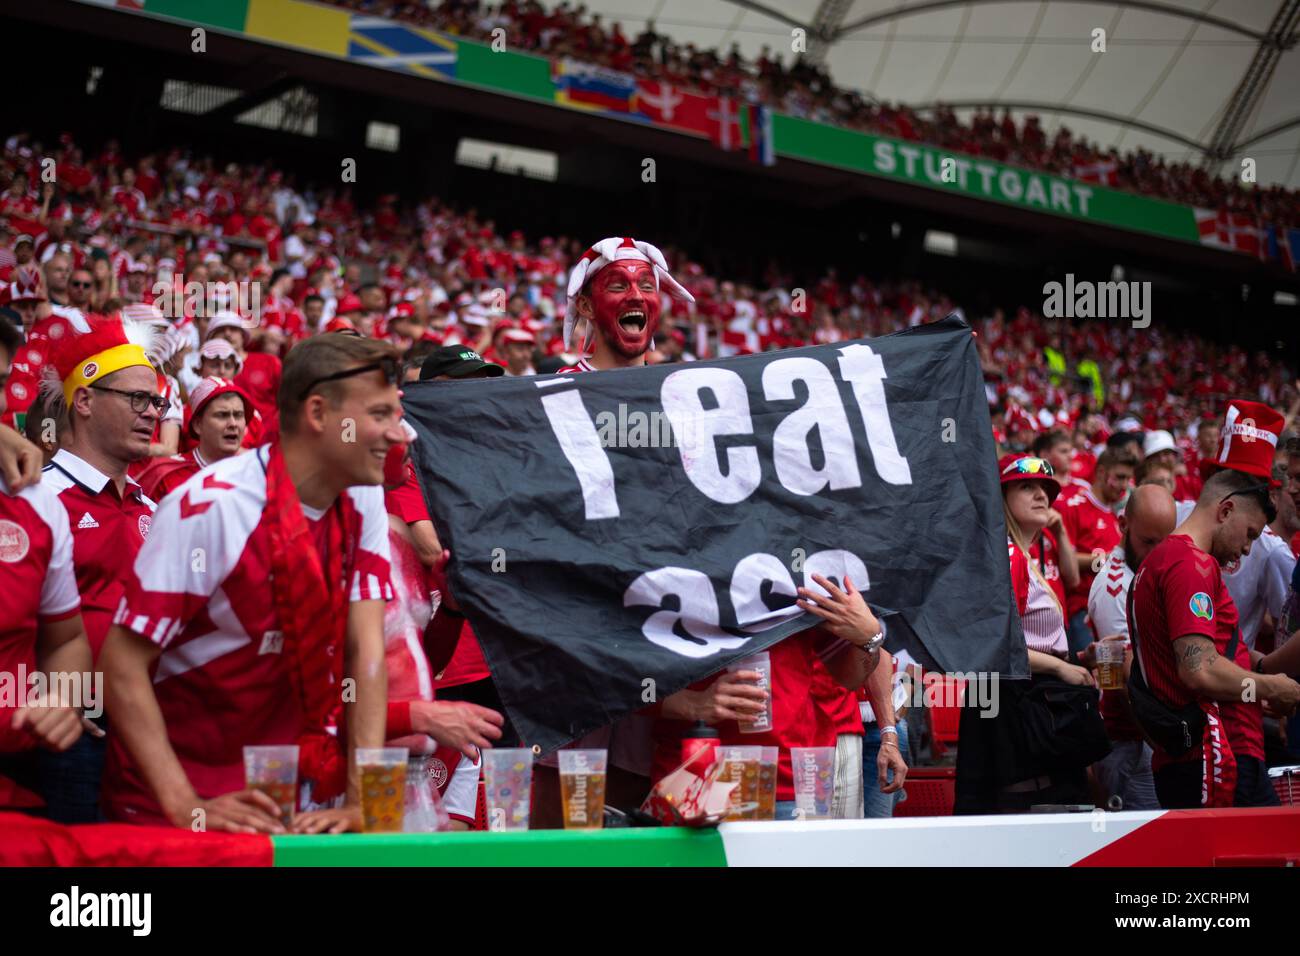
(36,584)
(583,365)
(200,590)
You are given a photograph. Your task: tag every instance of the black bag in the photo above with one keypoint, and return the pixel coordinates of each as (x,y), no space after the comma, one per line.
(1172,730)
(1062,725)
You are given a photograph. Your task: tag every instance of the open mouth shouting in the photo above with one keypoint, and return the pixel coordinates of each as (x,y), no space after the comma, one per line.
(632,321)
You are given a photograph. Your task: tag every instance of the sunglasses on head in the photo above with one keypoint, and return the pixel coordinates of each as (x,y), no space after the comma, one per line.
(1030,466)
(1262,487)
(388,366)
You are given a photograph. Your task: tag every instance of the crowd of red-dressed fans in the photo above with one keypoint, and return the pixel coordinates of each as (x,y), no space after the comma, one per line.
(112,232)
(803,89)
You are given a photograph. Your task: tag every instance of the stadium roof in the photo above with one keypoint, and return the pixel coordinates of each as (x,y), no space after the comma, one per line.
(1183,78)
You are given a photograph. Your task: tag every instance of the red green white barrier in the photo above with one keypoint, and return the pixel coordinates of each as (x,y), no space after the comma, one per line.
(1162,838)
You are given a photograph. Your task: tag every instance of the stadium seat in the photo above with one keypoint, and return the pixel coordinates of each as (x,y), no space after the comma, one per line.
(930,792)
(944,718)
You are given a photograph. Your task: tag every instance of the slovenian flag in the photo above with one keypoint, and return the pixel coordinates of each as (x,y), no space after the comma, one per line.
(588,86)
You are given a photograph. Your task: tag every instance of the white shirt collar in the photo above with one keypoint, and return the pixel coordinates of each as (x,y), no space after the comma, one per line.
(80,470)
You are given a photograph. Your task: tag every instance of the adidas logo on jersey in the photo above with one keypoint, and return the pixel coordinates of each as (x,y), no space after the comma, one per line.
(87,521)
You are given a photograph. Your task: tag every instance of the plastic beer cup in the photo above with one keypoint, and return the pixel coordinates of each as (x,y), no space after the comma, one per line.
(383,788)
(274,771)
(814,781)
(508,786)
(761,662)
(582,788)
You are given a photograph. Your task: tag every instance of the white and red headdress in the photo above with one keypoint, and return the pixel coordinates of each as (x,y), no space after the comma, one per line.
(78,361)
(610,250)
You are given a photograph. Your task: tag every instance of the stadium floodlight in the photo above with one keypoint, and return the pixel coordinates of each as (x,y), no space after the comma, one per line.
(383,136)
(503,158)
(940,243)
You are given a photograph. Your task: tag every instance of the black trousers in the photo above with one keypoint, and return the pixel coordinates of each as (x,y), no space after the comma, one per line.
(1178,786)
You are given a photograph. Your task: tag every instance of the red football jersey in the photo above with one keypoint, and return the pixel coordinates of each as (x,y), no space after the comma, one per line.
(37,584)
(108,531)
(221,682)
(1179,591)
(795,720)
(1091,527)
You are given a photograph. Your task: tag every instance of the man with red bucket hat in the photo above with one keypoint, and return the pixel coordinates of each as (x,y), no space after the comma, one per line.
(1259,580)
(1192,687)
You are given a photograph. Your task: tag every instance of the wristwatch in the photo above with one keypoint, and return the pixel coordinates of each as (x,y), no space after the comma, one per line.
(873,645)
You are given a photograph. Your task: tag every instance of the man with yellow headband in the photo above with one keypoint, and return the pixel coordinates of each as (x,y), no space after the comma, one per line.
(109,390)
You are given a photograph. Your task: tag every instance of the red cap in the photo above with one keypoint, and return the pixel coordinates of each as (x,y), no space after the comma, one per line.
(349,303)
(210,388)
(1018,467)
(1247,441)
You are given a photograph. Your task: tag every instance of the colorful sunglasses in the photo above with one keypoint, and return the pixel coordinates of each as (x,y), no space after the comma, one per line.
(1030,466)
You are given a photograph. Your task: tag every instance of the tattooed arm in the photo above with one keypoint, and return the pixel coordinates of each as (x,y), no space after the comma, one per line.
(1209,674)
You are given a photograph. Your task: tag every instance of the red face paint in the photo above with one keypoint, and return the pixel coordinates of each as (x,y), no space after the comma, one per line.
(620,292)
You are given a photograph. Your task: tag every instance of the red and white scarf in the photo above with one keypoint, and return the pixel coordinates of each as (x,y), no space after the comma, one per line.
(311,602)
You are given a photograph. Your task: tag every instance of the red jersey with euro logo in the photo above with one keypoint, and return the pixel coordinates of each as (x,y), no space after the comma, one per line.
(1179,591)
(108,531)
(1092,527)
(199,590)
(37,586)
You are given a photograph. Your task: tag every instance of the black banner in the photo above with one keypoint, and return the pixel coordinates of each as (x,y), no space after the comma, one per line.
(618,535)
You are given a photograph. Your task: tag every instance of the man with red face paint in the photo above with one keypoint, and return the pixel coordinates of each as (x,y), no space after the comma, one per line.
(615,290)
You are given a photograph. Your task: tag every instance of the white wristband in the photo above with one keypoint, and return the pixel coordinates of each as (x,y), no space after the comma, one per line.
(891,729)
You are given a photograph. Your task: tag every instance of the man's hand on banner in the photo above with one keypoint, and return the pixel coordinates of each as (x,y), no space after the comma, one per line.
(733,696)
(437,580)
(468,728)
(844,612)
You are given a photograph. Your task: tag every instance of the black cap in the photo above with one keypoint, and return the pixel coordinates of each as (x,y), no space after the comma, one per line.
(458,361)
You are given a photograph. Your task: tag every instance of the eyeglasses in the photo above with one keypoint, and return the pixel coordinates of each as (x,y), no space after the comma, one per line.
(388,366)
(80,285)
(139,400)
(1030,466)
